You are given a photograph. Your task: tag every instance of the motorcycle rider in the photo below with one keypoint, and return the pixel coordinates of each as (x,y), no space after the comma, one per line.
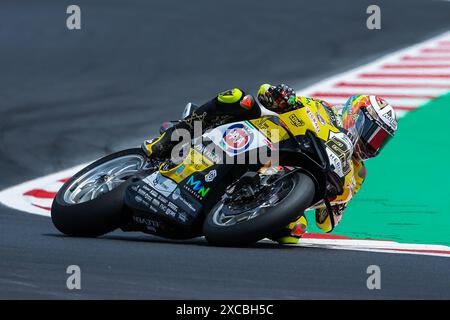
(369,122)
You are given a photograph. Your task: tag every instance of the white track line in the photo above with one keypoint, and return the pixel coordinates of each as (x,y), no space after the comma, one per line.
(377,246)
(371,246)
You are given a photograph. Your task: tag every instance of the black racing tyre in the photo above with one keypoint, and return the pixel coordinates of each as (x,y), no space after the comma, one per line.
(272,218)
(74,214)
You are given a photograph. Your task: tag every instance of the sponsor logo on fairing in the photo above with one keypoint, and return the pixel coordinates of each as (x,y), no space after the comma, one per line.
(296,121)
(150,224)
(176,195)
(197,186)
(180,168)
(209,152)
(211,175)
(237,138)
(321,119)
(161,184)
(339,149)
(313,120)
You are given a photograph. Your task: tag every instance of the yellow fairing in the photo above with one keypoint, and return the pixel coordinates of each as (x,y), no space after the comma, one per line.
(194,162)
(312,117)
(273,132)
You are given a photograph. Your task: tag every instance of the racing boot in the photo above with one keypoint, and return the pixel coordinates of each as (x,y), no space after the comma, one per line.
(292,233)
(159,147)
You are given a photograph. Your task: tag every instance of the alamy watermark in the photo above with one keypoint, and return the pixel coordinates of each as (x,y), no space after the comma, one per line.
(374,20)
(73,282)
(374,280)
(73,21)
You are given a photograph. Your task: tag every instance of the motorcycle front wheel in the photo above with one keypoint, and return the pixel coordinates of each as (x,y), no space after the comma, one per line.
(244,223)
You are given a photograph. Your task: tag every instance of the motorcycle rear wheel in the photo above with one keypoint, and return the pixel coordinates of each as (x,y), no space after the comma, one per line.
(90,203)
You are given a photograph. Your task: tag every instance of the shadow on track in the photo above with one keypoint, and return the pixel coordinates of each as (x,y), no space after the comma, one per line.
(200,241)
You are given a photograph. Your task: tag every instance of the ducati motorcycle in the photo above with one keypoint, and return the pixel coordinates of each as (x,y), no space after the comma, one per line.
(228,202)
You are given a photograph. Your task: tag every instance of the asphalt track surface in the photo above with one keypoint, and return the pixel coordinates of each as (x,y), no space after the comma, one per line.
(72,96)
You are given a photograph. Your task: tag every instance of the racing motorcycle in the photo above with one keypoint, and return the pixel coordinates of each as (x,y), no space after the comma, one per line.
(230,204)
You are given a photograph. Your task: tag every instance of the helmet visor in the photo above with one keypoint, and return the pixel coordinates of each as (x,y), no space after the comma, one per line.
(370,137)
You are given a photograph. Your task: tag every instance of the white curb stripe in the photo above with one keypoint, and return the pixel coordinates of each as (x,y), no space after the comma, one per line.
(363,75)
(13,197)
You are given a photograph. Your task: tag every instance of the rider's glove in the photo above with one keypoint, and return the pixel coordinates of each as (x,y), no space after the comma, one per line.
(284,96)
